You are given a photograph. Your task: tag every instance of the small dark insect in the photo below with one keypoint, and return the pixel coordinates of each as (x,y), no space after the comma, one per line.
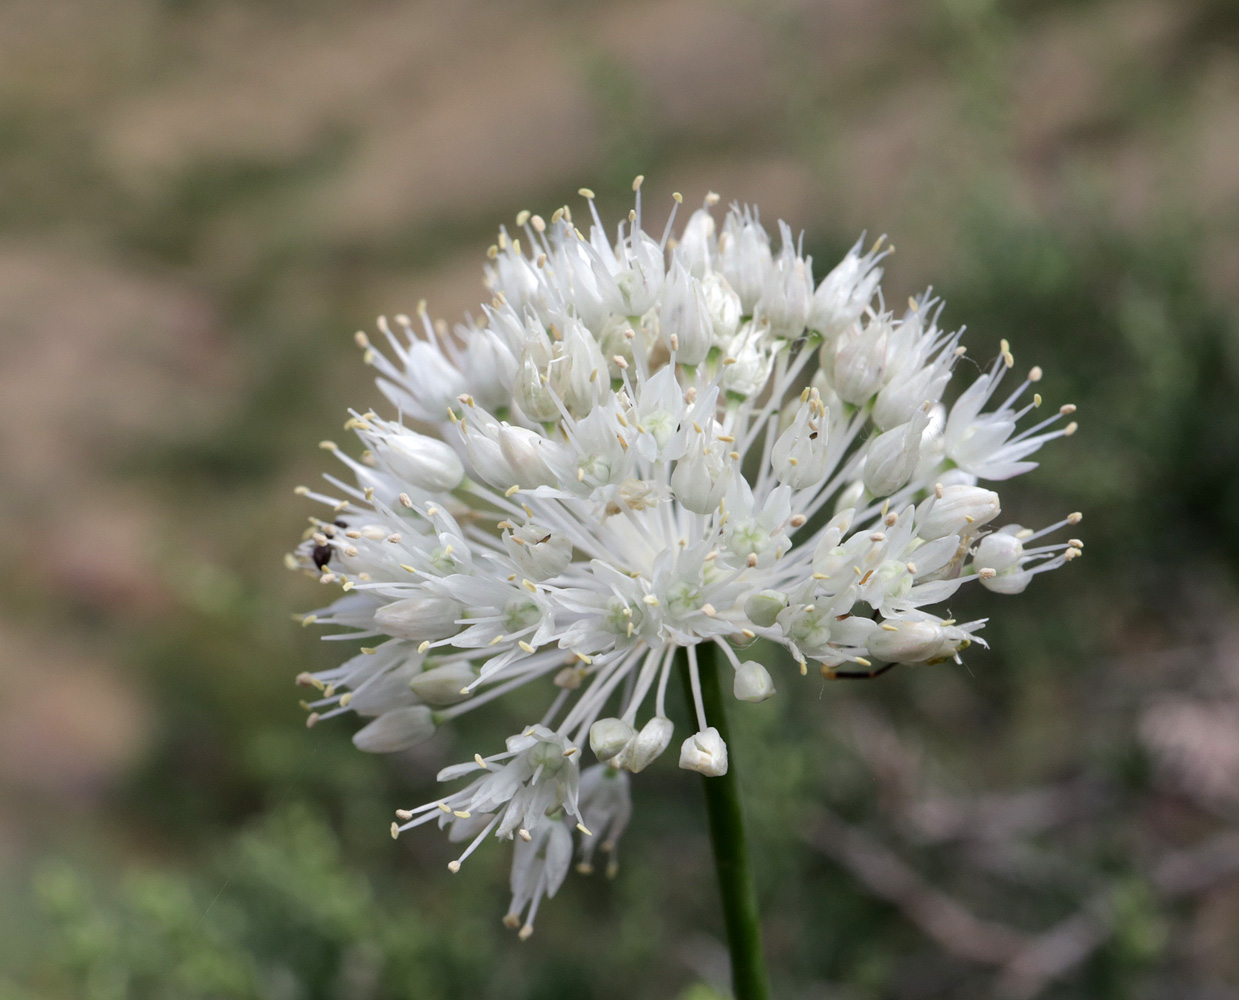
(322,553)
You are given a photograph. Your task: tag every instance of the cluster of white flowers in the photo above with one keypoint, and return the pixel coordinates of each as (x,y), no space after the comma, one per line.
(647,444)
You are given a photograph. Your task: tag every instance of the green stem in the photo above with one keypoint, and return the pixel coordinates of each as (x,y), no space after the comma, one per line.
(731,856)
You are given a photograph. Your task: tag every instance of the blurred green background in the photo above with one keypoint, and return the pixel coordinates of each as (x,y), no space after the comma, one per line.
(200,201)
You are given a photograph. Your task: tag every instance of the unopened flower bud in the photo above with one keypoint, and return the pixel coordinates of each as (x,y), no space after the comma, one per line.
(697,243)
(607,737)
(788,293)
(723,305)
(753,682)
(898,401)
(423,461)
(648,744)
(893,456)
(960,509)
(700,480)
(763,608)
(704,752)
(1000,554)
(524,450)
(422,618)
(381,694)
(443,685)
(753,362)
(530,390)
(540,554)
(799,456)
(913,641)
(860,364)
(399,729)
(686,316)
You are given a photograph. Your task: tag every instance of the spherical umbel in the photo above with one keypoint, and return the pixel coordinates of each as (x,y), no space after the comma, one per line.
(642,446)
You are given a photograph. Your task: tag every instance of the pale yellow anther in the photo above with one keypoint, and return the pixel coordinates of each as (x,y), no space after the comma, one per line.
(461,814)
(311,720)
(453,867)
(511,491)
(523,216)
(707,609)
(938,490)
(651,600)
(525,646)
(395,830)
(748,633)
(327,445)
(360,339)
(637,181)
(423,646)
(444,807)
(1034,374)
(585,193)
(524,834)
(863,662)
(1070,429)
(404,815)
(477,759)
(679,198)
(1036,399)
(406,501)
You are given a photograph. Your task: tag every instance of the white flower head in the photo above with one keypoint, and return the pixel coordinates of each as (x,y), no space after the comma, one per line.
(644,446)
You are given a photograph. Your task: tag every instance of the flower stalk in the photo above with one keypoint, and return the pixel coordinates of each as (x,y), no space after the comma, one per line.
(729,843)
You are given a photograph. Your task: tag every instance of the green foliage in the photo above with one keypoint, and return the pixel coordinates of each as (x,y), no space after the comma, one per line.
(280,912)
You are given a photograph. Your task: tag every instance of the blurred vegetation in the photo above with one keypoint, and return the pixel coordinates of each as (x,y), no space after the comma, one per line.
(238,855)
